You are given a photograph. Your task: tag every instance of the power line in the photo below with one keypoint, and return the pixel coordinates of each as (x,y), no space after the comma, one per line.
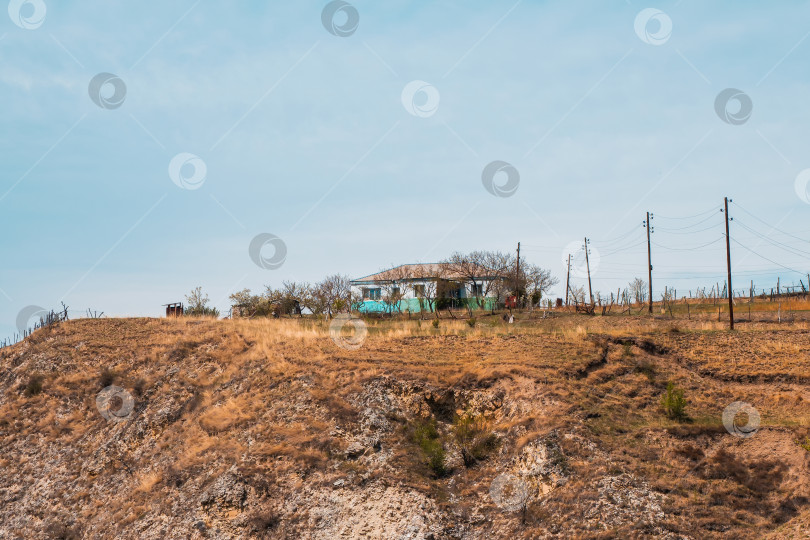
(618,238)
(769,225)
(712,209)
(670,231)
(689,226)
(623,249)
(766,258)
(688,248)
(775,243)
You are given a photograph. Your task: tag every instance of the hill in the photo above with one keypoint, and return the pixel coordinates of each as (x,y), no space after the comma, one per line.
(155,428)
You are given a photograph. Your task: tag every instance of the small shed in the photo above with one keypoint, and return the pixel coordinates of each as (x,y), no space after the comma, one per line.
(174,310)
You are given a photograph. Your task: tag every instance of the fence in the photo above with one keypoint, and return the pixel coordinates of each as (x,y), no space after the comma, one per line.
(48,319)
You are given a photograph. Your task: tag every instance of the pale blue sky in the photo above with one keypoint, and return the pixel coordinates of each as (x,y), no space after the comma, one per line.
(305,136)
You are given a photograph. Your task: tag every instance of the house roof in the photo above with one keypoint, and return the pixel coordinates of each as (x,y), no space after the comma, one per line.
(412,271)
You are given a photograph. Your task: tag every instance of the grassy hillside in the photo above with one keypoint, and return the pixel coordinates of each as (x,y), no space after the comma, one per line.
(268,429)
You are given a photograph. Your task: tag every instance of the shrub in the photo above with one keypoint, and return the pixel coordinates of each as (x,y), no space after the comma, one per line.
(198,305)
(57,530)
(138,387)
(34,385)
(474,437)
(646,368)
(673,402)
(106,377)
(435,323)
(471,322)
(426,436)
(805,444)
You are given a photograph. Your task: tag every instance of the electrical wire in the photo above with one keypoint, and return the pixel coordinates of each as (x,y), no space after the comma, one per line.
(689,248)
(667,231)
(764,257)
(712,209)
(617,238)
(622,249)
(687,226)
(769,225)
(775,243)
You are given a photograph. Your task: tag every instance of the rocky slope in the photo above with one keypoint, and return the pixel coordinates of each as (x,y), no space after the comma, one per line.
(238,429)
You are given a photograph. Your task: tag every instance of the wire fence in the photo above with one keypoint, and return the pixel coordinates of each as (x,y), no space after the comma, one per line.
(49,318)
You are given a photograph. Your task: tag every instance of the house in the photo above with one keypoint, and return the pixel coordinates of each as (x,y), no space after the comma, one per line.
(426,287)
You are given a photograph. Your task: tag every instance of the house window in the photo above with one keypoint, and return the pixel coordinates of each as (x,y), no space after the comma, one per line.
(371,294)
(478,290)
(419,291)
(395,292)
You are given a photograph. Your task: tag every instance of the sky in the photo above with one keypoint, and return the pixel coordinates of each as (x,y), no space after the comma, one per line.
(146,145)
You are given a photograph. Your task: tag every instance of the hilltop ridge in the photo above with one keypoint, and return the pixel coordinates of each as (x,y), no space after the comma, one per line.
(157,428)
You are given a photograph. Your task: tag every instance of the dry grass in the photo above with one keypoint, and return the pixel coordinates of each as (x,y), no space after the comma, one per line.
(269,395)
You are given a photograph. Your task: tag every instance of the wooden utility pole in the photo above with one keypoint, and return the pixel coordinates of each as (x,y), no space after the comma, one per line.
(567,279)
(517,272)
(648,226)
(588,266)
(728,261)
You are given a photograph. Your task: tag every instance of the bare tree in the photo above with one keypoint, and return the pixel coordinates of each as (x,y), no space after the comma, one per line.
(332,295)
(500,270)
(394,284)
(291,296)
(638,290)
(578,294)
(537,281)
(426,285)
(483,272)
(314,299)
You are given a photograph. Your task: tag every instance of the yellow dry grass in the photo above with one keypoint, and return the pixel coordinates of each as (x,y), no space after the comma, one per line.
(269,395)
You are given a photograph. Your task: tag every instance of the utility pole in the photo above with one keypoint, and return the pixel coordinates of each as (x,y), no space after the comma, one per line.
(567,279)
(728,260)
(588,266)
(648,226)
(517,272)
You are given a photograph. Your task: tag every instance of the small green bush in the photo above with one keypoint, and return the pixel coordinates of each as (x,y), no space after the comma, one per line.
(435,323)
(471,322)
(805,444)
(673,402)
(474,437)
(426,436)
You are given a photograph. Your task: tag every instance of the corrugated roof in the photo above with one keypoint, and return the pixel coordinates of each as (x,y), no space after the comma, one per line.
(420,269)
